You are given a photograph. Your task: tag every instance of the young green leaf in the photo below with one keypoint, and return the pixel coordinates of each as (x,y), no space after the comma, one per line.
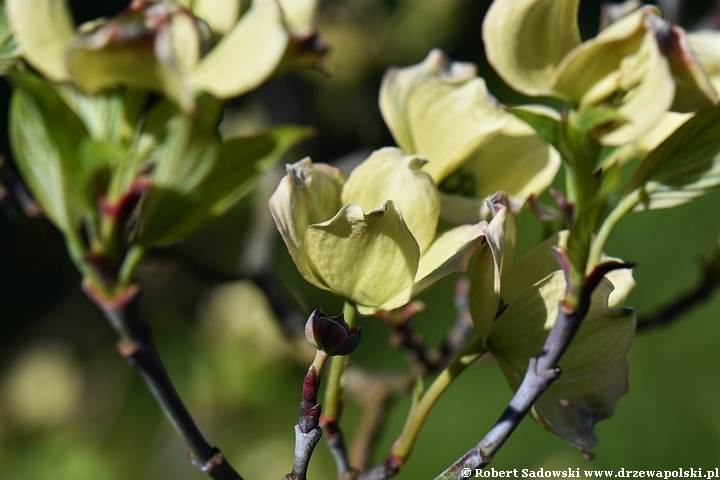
(9,50)
(109,117)
(181,164)
(45,136)
(216,176)
(545,121)
(684,166)
(242,160)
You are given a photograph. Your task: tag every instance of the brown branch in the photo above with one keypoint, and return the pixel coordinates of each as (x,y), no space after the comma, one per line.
(374,392)
(463,328)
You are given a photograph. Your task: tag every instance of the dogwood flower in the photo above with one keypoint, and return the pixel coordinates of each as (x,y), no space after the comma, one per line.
(640,66)
(175,48)
(369,238)
(443,111)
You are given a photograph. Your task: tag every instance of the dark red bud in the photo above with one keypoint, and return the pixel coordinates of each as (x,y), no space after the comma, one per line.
(332,335)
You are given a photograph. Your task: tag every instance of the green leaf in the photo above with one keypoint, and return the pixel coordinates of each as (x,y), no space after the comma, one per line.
(603,339)
(684,166)
(537,263)
(594,119)
(242,160)
(572,410)
(97,162)
(188,152)
(545,122)
(593,377)
(183,160)
(109,117)
(45,136)
(209,177)
(9,50)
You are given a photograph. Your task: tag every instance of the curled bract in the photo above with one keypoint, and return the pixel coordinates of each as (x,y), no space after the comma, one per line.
(639,66)
(172,48)
(443,111)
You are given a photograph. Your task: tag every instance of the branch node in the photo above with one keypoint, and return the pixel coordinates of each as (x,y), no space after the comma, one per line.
(588,455)
(121,300)
(128,349)
(567,308)
(207,467)
(485,457)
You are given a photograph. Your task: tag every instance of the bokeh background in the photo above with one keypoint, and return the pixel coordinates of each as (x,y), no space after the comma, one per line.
(71,409)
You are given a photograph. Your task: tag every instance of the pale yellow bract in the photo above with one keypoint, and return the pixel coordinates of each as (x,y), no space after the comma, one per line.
(640,65)
(443,111)
(371,238)
(174,49)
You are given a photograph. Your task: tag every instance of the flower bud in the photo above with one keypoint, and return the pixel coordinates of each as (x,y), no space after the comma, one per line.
(331,334)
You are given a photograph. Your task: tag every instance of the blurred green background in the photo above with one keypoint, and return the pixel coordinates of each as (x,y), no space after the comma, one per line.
(71,409)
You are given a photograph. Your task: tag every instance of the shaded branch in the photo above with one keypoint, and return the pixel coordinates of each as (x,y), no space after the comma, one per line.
(404,444)
(430,360)
(707,285)
(12,188)
(374,392)
(463,328)
(136,346)
(336,444)
(403,336)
